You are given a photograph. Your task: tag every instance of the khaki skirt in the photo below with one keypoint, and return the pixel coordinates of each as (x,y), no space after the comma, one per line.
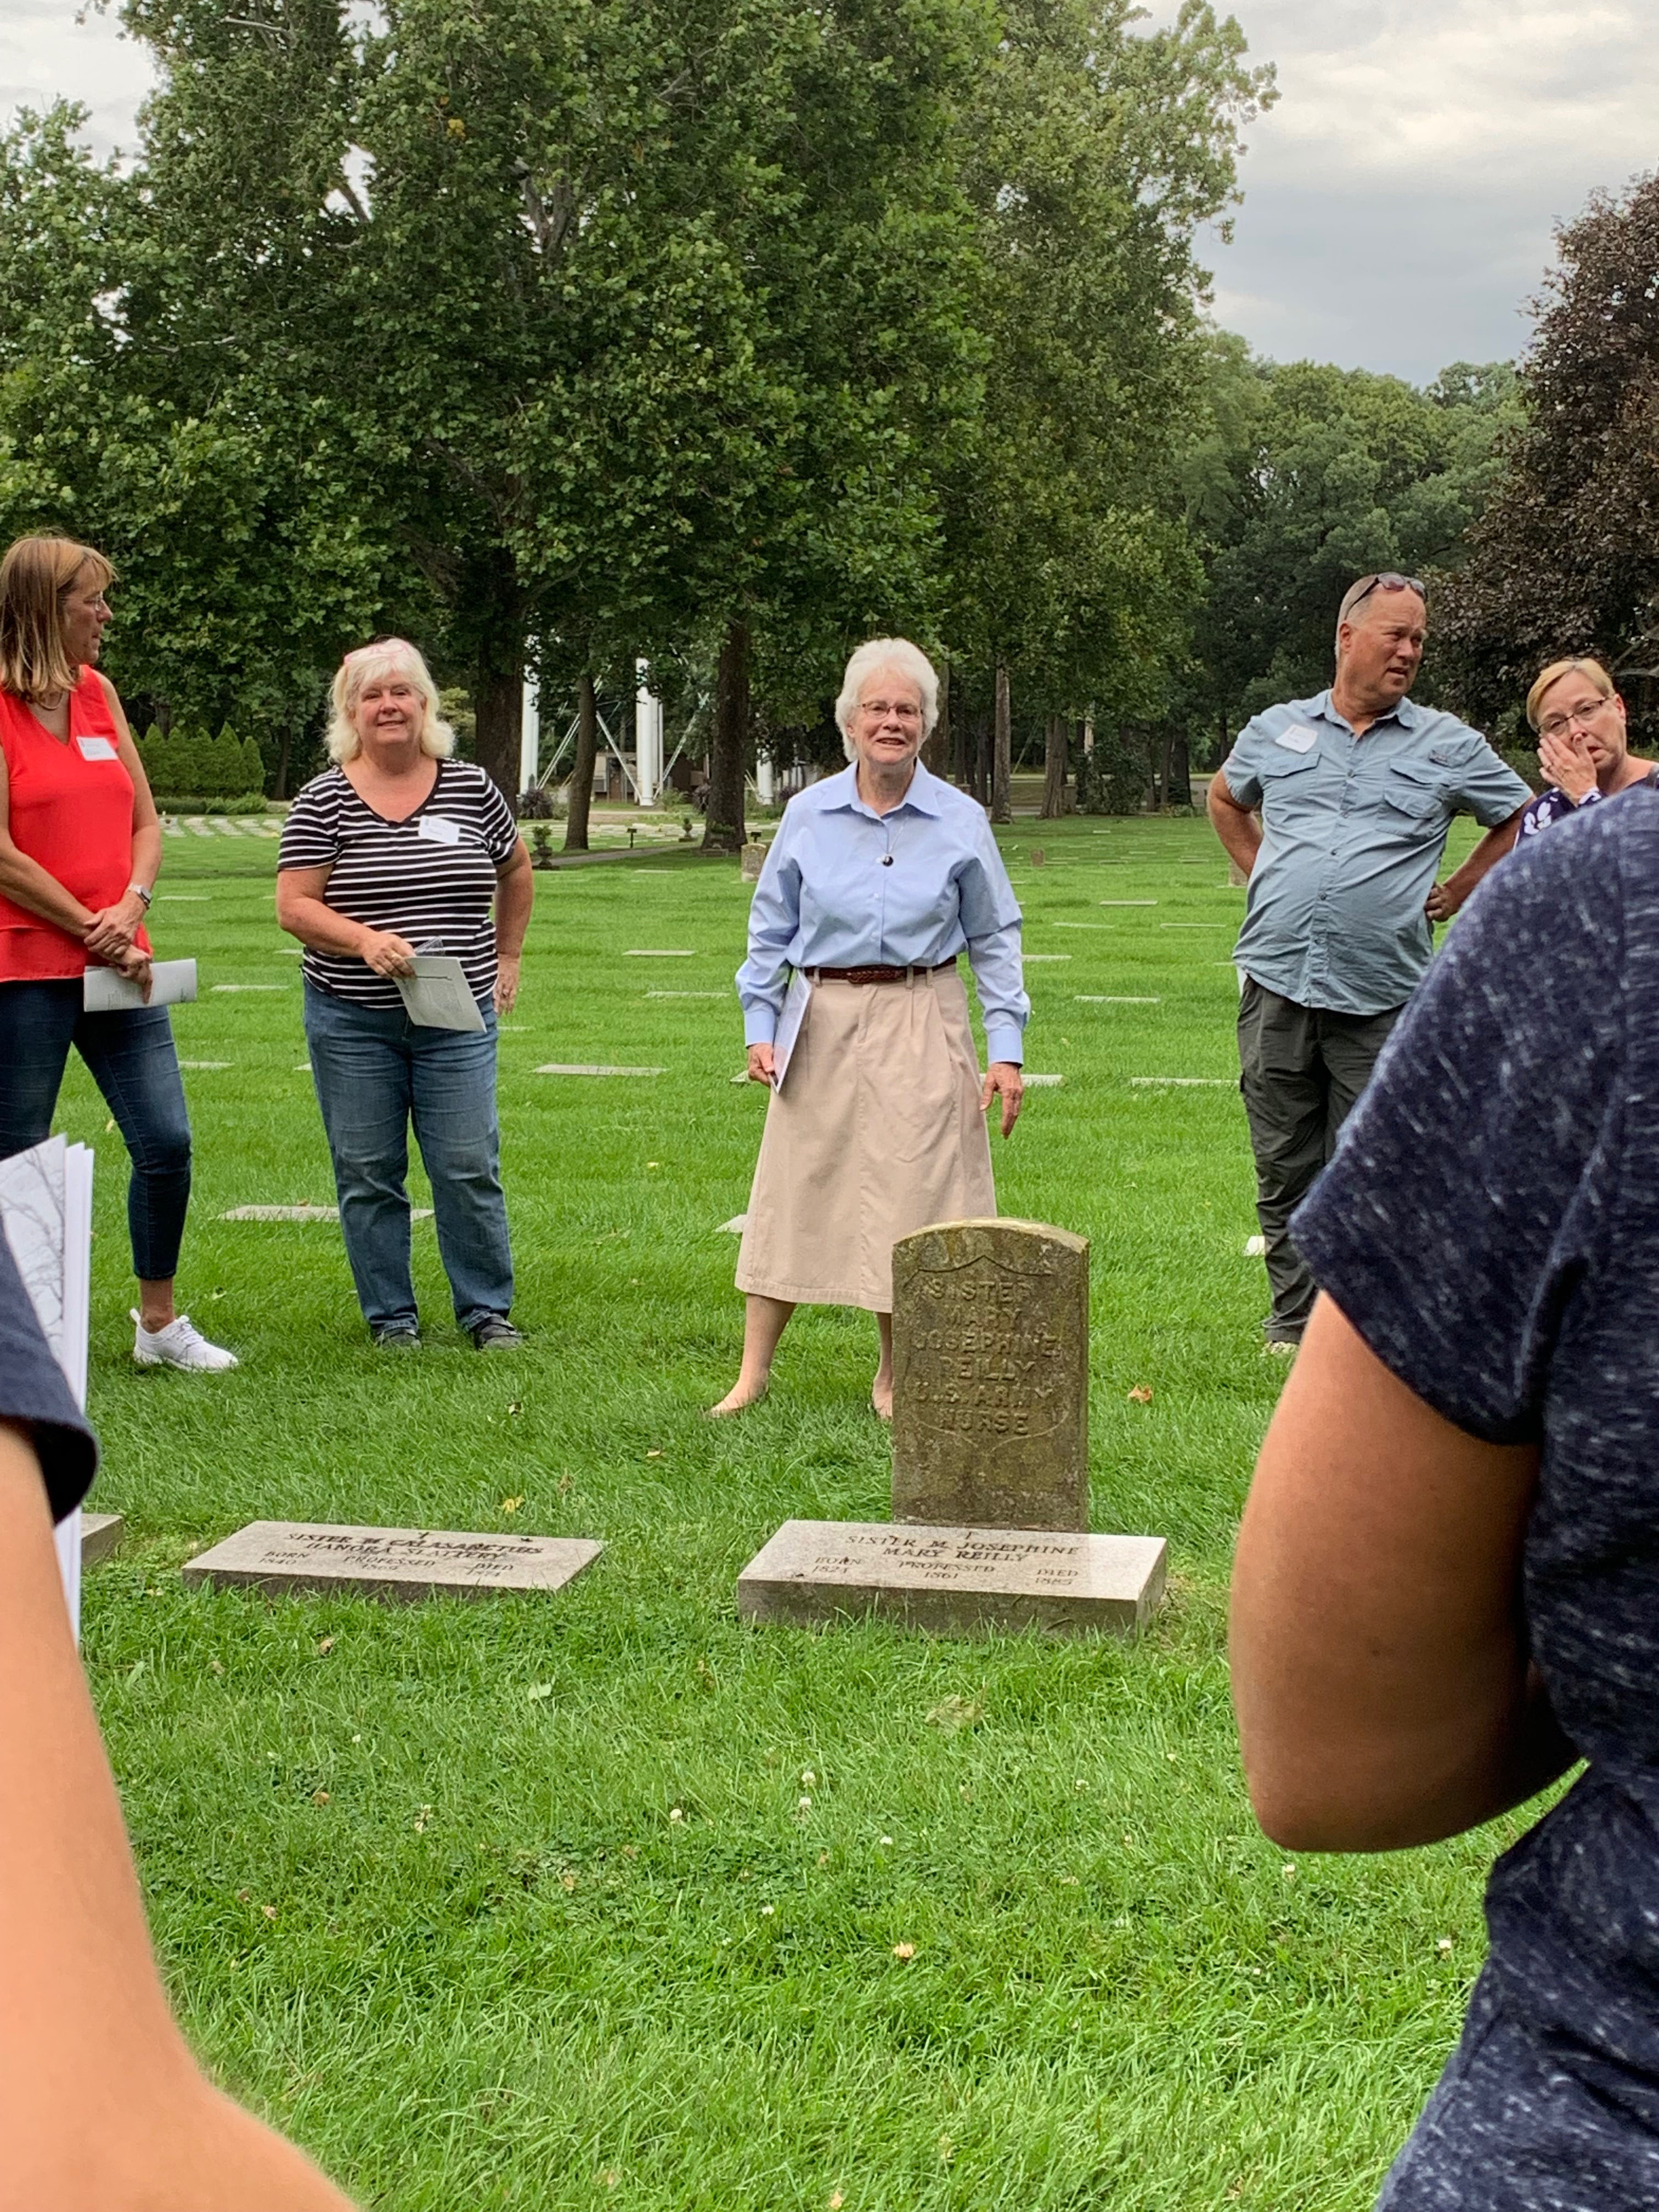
(876,1133)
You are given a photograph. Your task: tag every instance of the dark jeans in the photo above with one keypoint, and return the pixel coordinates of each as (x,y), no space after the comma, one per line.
(376,1071)
(131,1059)
(1301,1070)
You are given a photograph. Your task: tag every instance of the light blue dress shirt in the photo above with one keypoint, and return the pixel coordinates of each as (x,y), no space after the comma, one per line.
(1353,831)
(846,887)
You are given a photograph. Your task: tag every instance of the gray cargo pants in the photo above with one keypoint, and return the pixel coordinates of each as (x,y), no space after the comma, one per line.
(1300,1069)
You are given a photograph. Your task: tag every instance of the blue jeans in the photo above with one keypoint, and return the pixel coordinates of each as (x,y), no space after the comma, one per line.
(375,1071)
(131,1059)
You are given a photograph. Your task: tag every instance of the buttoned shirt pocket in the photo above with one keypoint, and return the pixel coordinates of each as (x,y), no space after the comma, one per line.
(1417,789)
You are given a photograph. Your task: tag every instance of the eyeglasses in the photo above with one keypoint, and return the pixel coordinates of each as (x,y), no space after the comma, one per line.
(1557,726)
(1386,580)
(881,708)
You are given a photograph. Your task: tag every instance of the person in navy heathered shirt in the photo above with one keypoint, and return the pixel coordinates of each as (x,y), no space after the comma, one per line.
(1447,1587)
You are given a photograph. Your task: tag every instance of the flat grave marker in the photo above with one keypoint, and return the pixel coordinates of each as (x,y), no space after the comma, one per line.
(394,1563)
(1044,1082)
(954,1581)
(1031,958)
(646,953)
(991,1376)
(735,1226)
(1184,1082)
(249,987)
(562,1067)
(1111,998)
(1128,902)
(202,1064)
(100,1536)
(304,1213)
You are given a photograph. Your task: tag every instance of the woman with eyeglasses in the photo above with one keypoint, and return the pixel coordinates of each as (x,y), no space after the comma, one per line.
(80,850)
(1582,747)
(877,880)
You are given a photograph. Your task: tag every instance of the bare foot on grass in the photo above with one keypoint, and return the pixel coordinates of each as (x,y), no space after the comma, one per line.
(739,1399)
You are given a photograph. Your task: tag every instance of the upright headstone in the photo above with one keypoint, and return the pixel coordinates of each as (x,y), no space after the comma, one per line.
(1236,878)
(991,1376)
(750,860)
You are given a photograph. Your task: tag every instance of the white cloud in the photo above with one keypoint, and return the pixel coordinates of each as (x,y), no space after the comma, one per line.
(1401,200)
(60,49)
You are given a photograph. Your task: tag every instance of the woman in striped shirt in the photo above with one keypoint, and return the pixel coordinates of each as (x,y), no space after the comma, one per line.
(397,850)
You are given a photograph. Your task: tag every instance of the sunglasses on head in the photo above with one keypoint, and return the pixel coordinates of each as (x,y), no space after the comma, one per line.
(1386,580)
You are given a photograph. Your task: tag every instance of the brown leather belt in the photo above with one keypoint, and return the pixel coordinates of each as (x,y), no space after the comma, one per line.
(872,975)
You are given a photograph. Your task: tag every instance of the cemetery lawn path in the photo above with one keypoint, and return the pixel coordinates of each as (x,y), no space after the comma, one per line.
(603,1900)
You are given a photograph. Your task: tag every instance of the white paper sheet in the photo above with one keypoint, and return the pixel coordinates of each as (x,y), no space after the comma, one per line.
(437,995)
(795,1002)
(172,983)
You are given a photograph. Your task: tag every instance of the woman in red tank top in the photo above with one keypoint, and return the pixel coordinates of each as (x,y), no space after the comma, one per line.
(80,849)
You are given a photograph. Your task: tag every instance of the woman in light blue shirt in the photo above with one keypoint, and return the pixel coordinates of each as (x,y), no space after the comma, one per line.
(876,880)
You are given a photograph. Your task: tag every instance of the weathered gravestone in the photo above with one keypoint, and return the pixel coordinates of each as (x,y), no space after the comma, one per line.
(960,1581)
(399,1563)
(750,860)
(991,1376)
(990,1459)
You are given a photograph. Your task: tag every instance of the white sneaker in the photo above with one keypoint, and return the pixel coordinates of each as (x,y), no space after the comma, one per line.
(180,1344)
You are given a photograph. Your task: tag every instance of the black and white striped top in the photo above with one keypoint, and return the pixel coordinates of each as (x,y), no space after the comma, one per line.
(431,879)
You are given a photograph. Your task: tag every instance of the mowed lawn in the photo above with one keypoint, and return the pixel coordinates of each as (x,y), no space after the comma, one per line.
(599,1899)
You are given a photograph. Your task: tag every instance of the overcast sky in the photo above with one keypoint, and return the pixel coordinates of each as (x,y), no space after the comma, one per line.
(1399,200)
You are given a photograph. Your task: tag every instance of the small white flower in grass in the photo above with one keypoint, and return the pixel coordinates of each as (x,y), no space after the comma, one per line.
(1288,1871)
(1444,1944)
(808,1779)
(674,1812)
(767,1911)
(803,1804)
(886,1840)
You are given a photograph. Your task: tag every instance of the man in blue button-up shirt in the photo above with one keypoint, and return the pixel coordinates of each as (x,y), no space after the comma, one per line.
(1357,790)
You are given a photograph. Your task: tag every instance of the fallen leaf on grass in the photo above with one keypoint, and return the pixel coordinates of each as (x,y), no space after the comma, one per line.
(1142,1394)
(568,1883)
(953,1713)
(904,1950)
(538,1691)
(319,1797)
(270,1911)
(512,1504)
(653,1455)
(836,2200)
(325,1647)
(245,1896)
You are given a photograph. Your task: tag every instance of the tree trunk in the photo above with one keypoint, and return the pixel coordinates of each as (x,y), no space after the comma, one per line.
(961,767)
(581,777)
(283,752)
(724,830)
(1161,794)
(1002,804)
(982,758)
(1178,773)
(498,705)
(937,751)
(1054,770)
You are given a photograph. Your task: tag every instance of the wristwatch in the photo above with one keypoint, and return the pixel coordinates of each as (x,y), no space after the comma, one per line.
(142,892)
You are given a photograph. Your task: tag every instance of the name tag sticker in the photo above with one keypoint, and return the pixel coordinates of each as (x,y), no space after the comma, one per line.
(439,829)
(97,748)
(1298,739)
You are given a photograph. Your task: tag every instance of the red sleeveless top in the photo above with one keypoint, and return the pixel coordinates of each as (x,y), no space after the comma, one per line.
(71,809)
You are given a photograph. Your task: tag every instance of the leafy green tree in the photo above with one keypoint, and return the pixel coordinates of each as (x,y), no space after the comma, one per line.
(1091,153)
(1304,477)
(1565,558)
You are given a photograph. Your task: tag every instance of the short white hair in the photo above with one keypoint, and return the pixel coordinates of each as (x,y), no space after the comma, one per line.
(896,653)
(371,664)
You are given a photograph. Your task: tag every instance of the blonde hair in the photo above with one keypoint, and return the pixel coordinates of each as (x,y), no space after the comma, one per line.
(34,576)
(886,653)
(1592,671)
(371,664)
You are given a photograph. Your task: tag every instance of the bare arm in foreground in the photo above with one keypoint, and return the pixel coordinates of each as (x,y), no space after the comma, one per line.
(102,2106)
(1380,1676)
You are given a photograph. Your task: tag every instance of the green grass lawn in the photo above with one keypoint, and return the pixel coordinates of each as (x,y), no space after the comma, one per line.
(522,1902)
